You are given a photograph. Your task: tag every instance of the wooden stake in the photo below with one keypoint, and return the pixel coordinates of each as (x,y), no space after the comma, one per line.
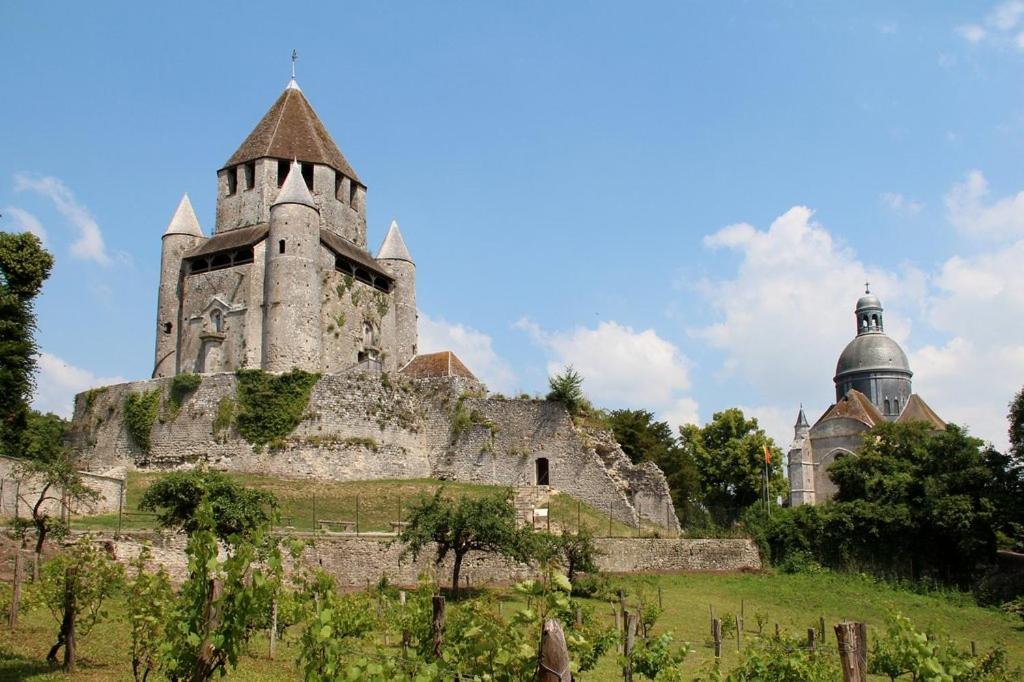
(12,620)
(554,655)
(438,624)
(974,648)
(273,629)
(660,604)
(776,629)
(716,628)
(852,641)
(811,636)
(627,669)
(739,634)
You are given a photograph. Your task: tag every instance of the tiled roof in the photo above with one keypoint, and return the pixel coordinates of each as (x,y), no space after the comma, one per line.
(232,239)
(292,130)
(854,405)
(443,364)
(347,249)
(918,410)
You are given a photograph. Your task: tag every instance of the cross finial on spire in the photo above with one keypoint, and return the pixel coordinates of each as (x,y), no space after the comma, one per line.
(867,287)
(295,58)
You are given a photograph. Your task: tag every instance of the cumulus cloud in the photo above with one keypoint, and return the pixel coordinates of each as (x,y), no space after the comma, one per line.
(89,245)
(970,209)
(622,367)
(473,347)
(57,382)
(1002,25)
(901,204)
(788,311)
(24,222)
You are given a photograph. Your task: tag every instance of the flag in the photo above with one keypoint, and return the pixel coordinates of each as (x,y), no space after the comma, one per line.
(767,454)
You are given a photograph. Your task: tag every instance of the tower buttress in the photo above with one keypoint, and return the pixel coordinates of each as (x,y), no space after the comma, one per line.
(291,285)
(183,234)
(395,257)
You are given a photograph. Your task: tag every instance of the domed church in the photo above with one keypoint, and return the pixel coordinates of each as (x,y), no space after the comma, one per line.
(873,384)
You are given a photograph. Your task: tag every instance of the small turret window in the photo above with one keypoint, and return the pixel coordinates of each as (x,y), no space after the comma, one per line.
(307,175)
(282,171)
(896,405)
(249,175)
(168,327)
(887,410)
(353,188)
(232,180)
(280,246)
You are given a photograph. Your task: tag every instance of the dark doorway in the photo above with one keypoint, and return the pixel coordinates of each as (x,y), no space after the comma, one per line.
(542,471)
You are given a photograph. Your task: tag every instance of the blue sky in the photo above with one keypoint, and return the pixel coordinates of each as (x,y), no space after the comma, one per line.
(681,199)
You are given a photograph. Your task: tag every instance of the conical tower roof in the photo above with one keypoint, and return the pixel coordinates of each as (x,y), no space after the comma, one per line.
(294,190)
(393,247)
(184,220)
(801,419)
(292,130)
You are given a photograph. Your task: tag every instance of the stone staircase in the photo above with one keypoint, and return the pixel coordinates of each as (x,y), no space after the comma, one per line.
(529,498)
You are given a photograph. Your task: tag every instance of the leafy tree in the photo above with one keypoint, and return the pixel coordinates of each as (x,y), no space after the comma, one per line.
(729,455)
(567,388)
(485,524)
(645,440)
(574,552)
(24,266)
(1016,418)
(149,602)
(236,510)
(74,587)
(221,602)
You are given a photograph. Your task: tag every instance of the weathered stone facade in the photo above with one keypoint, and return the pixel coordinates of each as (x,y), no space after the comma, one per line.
(361,426)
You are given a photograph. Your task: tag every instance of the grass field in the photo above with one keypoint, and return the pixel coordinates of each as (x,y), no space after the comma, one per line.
(375,503)
(794,601)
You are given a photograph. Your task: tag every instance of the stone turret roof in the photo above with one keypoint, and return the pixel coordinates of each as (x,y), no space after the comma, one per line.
(443,364)
(184,220)
(393,247)
(918,410)
(294,190)
(854,405)
(292,130)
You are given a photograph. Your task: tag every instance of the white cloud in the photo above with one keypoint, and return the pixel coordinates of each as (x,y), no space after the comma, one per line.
(901,204)
(473,347)
(57,382)
(969,209)
(788,312)
(25,222)
(89,245)
(622,367)
(998,26)
(972,33)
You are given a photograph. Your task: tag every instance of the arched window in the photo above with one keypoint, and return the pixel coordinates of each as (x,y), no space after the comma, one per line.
(896,405)
(874,320)
(543,473)
(887,406)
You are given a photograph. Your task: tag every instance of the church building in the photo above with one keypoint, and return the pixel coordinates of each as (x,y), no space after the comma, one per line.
(873,384)
(285,281)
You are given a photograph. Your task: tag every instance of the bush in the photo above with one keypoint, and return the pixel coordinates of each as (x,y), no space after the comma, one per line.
(567,388)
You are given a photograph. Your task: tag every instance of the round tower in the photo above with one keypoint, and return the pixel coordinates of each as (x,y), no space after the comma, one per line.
(291,285)
(873,363)
(182,235)
(394,256)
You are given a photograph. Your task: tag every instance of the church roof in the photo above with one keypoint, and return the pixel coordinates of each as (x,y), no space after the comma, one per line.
(393,247)
(184,220)
(230,240)
(854,405)
(873,351)
(292,130)
(347,249)
(443,364)
(918,410)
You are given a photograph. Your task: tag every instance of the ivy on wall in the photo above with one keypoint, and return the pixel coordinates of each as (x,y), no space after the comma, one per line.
(140,410)
(269,406)
(182,386)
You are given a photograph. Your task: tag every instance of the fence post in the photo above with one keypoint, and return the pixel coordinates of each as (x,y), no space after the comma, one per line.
(120,508)
(406,637)
(810,639)
(739,633)
(716,629)
(554,655)
(15,591)
(273,629)
(852,641)
(627,669)
(437,624)
(661,605)
(711,611)
(579,506)
(609,519)
(821,627)
(622,612)
(638,532)
(357,514)
(314,511)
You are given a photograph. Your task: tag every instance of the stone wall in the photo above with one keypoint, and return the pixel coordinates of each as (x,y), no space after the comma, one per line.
(18,493)
(361,426)
(354,560)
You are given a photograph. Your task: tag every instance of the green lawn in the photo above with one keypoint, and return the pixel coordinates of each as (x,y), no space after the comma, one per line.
(378,503)
(794,601)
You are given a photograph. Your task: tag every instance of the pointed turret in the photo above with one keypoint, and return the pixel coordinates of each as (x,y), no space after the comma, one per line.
(183,233)
(294,190)
(393,247)
(801,421)
(395,257)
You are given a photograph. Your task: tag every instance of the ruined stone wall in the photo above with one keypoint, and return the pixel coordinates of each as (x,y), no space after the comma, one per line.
(360,426)
(18,493)
(346,304)
(356,560)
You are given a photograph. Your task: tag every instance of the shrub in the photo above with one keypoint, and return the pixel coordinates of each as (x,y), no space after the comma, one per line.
(567,388)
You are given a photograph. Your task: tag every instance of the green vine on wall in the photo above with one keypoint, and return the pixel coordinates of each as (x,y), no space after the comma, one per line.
(225,417)
(271,406)
(464,419)
(182,386)
(140,410)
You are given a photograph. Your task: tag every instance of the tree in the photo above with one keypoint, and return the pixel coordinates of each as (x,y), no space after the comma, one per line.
(1016,418)
(729,455)
(236,510)
(574,552)
(567,388)
(149,603)
(645,440)
(24,266)
(74,587)
(485,524)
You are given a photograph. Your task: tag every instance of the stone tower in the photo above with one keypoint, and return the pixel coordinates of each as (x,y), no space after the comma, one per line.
(182,234)
(873,363)
(801,467)
(396,259)
(291,285)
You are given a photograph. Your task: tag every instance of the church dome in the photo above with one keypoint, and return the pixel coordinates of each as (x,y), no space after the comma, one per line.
(869,352)
(868,301)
